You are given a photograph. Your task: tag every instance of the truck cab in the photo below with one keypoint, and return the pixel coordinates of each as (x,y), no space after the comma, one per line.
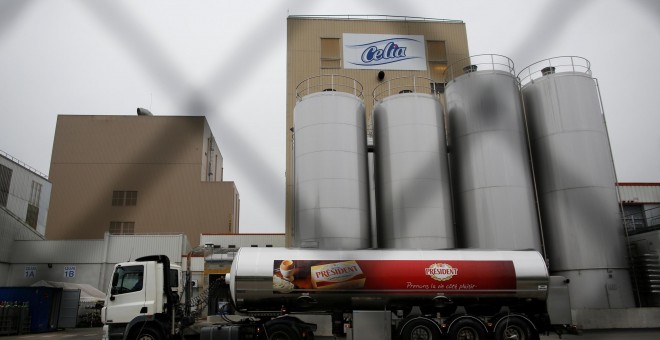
(141,298)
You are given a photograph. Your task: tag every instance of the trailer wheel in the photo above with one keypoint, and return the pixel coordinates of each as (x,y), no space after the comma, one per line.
(514,328)
(467,329)
(420,329)
(282,332)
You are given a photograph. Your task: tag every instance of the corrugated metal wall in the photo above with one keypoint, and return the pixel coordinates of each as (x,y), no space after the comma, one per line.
(639,193)
(28,261)
(87,251)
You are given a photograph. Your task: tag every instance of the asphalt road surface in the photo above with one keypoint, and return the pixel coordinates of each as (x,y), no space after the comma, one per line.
(632,334)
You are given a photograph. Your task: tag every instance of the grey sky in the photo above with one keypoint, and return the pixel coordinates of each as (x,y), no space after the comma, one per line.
(214,57)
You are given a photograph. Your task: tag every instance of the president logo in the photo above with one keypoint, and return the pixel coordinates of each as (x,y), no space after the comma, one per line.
(441,271)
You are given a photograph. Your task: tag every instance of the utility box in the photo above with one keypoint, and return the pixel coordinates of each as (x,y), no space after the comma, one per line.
(559,302)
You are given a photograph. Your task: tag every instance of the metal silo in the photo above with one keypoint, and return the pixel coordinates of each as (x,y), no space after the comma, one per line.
(493,188)
(575,177)
(330,164)
(413,197)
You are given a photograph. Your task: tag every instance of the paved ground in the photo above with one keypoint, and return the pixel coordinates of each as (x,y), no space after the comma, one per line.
(71,334)
(632,334)
(95,333)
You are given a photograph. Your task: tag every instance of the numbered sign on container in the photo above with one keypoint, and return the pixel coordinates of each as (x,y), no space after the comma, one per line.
(30,272)
(69,272)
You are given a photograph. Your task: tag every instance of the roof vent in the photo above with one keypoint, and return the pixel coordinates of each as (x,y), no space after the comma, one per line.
(143,112)
(548,70)
(470,69)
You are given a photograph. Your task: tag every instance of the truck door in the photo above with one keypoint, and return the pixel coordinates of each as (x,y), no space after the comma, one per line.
(127,294)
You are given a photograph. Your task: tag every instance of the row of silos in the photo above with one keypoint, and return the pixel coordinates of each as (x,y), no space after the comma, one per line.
(494,198)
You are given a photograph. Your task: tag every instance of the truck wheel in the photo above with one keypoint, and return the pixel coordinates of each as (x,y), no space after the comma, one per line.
(282,332)
(146,333)
(467,329)
(514,328)
(420,329)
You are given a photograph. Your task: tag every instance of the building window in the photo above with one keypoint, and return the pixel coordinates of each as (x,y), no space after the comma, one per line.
(231,246)
(131,198)
(330,53)
(122,228)
(33,205)
(124,198)
(5,180)
(438,88)
(32,216)
(437,57)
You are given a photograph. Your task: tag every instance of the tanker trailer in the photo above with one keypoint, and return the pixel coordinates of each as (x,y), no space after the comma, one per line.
(402,294)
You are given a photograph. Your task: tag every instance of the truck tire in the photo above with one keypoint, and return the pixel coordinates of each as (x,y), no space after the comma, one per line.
(145,333)
(420,329)
(514,328)
(282,332)
(467,329)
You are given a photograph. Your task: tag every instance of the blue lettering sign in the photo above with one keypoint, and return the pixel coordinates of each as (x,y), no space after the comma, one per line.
(386,51)
(391,51)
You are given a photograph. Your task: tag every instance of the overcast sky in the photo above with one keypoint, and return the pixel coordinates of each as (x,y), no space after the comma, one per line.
(213,58)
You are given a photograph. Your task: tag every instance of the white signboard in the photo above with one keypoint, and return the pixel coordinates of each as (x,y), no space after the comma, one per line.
(384,52)
(69,272)
(30,272)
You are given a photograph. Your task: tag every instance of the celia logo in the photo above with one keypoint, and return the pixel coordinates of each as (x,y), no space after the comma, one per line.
(390,51)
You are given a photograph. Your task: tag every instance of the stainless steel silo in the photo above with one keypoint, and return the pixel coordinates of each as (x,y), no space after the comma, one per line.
(330,164)
(575,176)
(413,197)
(493,188)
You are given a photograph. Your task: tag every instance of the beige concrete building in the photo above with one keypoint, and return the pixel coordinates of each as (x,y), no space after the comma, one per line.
(136,175)
(365,49)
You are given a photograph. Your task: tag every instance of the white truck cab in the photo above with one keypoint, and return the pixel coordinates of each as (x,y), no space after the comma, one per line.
(137,295)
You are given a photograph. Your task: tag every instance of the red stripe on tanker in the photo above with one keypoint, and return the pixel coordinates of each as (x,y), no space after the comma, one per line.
(393,275)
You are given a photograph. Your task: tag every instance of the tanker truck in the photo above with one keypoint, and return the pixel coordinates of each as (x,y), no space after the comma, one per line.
(283,293)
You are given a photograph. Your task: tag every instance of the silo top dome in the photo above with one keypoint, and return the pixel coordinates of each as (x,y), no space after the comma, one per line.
(407,84)
(554,65)
(328,83)
(480,62)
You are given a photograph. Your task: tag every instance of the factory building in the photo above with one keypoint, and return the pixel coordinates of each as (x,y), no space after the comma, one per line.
(318,47)
(137,175)
(24,193)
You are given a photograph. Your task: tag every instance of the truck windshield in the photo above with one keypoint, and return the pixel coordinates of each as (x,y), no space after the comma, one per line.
(127,279)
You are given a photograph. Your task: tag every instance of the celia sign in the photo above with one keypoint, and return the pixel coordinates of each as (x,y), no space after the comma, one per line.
(384,52)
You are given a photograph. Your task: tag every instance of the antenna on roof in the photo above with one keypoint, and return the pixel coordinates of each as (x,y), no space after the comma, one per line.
(143,112)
